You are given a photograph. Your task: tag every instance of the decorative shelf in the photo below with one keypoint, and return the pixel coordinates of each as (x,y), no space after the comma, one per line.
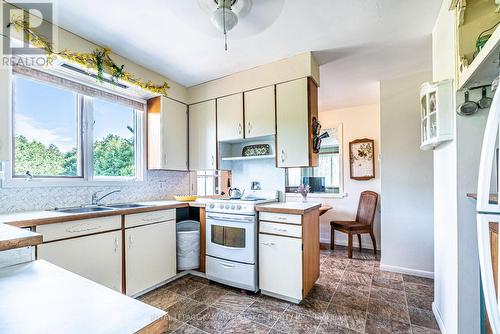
(257,157)
(436,122)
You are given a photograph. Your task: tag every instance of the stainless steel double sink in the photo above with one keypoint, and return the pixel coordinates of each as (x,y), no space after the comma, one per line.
(90,209)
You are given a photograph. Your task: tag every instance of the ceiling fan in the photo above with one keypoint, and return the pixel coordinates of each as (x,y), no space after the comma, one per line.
(242,17)
(224,18)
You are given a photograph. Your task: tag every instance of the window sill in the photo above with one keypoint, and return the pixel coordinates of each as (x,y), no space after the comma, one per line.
(317,195)
(22,183)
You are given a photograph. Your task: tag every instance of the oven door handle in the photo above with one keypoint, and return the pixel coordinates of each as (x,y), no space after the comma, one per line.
(230,219)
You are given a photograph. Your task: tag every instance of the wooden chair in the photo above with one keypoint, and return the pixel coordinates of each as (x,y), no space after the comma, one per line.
(363,223)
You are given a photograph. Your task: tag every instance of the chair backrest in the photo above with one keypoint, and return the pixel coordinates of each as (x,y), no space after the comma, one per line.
(366,208)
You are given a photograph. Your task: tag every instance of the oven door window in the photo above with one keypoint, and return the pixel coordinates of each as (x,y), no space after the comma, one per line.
(228,236)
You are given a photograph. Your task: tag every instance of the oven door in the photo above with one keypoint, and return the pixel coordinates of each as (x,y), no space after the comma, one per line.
(231,237)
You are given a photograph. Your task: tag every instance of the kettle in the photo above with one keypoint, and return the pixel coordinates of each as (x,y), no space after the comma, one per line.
(235,193)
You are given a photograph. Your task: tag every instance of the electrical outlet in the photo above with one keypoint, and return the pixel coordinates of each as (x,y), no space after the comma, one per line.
(163,184)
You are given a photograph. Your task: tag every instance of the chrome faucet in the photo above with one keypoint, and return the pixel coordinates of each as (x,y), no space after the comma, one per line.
(96,200)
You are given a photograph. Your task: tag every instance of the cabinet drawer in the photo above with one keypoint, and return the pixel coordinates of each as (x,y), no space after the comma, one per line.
(281,229)
(236,274)
(79,228)
(281,218)
(138,219)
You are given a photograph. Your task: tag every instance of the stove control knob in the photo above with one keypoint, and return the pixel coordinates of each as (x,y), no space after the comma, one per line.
(227,206)
(221,206)
(232,207)
(238,207)
(212,206)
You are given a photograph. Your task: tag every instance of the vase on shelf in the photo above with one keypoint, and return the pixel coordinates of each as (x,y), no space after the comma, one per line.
(303,190)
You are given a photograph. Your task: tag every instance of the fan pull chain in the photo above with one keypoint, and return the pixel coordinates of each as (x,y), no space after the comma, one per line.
(225,31)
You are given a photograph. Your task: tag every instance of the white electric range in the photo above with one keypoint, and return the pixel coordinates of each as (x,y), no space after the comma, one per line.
(231,239)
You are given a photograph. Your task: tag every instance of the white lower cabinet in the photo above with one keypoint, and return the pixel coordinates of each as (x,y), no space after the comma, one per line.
(96,257)
(280,266)
(150,256)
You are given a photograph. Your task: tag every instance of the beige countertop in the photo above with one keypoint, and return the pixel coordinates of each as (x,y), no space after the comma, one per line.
(33,218)
(298,208)
(12,237)
(39,297)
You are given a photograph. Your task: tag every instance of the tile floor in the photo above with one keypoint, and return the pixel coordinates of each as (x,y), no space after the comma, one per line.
(351,296)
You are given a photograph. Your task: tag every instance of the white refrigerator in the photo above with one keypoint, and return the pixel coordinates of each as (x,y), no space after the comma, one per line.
(489,210)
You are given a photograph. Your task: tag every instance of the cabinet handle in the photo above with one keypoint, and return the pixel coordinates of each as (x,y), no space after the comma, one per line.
(116,244)
(282,156)
(281,218)
(281,229)
(226,265)
(82,228)
(152,218)
(240,128)
(268,243)
(129,241)
(213,160)
(249,127)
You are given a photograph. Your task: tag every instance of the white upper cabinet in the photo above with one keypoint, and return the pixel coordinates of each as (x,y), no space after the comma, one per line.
(230,117)
(202,136)
(296,106)
(260,112)
(167,134)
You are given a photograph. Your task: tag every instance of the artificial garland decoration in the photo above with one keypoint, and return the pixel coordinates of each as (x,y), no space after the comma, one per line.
(98,60)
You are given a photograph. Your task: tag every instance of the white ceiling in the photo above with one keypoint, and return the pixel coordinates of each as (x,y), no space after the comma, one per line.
(358,42)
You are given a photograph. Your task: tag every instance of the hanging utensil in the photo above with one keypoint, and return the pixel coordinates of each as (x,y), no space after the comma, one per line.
(485,101)
(468,107)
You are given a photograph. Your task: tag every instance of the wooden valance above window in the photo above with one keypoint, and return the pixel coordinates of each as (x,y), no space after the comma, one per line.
(77,87)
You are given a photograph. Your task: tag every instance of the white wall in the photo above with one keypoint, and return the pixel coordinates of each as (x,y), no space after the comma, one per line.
(445,305)
(406,184)
(358,122)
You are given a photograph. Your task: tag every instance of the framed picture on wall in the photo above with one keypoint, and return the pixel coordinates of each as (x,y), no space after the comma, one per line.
(361,153)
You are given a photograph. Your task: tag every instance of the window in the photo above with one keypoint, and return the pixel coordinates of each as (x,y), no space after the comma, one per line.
(207,183)
(47,134)
(64,130)
(327,177)
(114,140)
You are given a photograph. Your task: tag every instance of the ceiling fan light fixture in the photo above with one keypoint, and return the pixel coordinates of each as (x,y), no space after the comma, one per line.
(222,14)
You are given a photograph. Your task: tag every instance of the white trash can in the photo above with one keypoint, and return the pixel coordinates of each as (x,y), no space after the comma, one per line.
(188,245)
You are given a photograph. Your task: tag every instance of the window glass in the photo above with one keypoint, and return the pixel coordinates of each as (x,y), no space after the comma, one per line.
(114,139)
(46,130)
(207,183)
(326,178)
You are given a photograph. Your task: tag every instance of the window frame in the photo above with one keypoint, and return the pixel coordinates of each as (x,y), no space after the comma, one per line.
(341,193)
(85,137)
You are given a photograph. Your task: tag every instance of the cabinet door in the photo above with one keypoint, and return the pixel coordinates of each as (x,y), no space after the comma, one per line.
(292,119)
(175,134)
(202,136)
(260,112)
(150,256)
(96,257)
(280,265)
(167,134)
(230,117)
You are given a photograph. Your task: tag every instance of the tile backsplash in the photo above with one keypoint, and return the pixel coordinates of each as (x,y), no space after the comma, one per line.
(157,185)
